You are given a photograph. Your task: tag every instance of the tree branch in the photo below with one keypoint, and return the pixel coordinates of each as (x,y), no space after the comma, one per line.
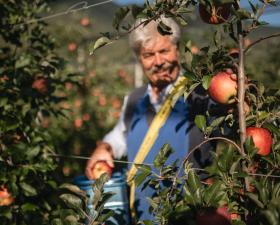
(241,94)
(259,40)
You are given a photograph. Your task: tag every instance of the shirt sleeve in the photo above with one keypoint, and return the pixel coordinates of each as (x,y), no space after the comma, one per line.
(117,136)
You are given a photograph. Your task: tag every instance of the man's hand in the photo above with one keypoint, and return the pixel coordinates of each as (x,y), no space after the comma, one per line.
(103,152)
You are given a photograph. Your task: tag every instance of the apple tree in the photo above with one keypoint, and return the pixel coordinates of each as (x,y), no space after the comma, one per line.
(30,79)
(242,185)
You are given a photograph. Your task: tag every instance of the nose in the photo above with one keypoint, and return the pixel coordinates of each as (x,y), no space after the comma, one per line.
(159,60)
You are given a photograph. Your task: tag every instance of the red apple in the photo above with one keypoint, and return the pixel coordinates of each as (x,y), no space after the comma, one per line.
(41,85)
(85,21)
(262,139)
(212,216)
(217,15)
(101,167)
(235,216)
(72,47)
(5,197)
(209,181)
(223,88)
(194,50)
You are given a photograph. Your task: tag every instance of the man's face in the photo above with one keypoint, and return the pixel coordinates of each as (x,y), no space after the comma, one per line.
(160,60)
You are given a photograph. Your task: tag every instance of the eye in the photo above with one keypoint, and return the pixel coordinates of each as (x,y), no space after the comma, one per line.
(147,55)
(164,51)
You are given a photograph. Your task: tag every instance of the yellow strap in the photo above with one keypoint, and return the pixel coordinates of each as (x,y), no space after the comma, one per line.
(152,135)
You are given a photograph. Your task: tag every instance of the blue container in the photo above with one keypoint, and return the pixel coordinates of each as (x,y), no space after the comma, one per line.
(118,202)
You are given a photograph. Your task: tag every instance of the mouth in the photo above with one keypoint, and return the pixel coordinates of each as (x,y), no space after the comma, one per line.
(163,73)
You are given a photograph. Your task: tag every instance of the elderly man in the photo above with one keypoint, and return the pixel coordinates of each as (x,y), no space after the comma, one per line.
(159,56)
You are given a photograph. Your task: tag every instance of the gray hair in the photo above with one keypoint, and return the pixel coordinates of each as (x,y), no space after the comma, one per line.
(145,32)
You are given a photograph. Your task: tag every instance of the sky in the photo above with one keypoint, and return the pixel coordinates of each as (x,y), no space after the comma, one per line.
(272,16)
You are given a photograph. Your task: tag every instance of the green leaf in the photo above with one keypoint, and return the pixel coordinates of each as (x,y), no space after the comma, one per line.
(272,216)
(28,190)
(273,128)
(29,207)
(254,9)
(162,156)
(72,201)
(255,199)
(206,82)
(243,14)
(100,42)
(276,191)
(192,87)
(250,148)
(211,192)
(72,219)
(238,222)
(182,20)
(119,16)
(164,29)
(182,10)
(106,214)
(74,189)
(215,123)
(188,59)
(23,61)
(32,152)
(262,115)
(56,221)
(189,197)
(147,222)
(193,180)
(200,121)
(3,101)
(139,178)
(152,203)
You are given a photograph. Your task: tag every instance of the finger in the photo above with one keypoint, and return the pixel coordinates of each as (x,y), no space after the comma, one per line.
(89,168)
(88,173)
(110,163)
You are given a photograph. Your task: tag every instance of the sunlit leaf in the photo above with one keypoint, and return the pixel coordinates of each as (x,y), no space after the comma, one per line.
(102,41)
(200,121)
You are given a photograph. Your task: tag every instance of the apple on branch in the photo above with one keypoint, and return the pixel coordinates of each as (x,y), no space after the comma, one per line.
(262,139)
(5,197)
(223,87)
(101,167)
(41,84)
(215,14)
(213,216)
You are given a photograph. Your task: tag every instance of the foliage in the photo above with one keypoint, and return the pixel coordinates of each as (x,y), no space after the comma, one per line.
(31,84)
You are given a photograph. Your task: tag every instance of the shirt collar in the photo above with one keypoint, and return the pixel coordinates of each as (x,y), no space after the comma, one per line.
(156,103)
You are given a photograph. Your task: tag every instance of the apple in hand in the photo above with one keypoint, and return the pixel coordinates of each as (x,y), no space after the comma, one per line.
(101,167)
(214,216)
(218,13)
(223,88)
(5,197)
(262,139)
